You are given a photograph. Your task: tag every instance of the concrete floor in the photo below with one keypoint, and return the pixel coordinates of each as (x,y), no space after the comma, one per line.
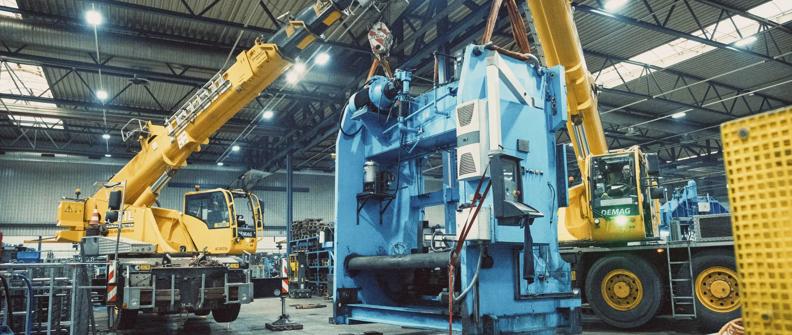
(315,321)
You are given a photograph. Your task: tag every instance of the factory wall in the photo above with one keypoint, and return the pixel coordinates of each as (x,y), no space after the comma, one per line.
(30,189)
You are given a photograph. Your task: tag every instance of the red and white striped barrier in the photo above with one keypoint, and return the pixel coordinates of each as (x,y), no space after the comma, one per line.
(285,276)
(112,280)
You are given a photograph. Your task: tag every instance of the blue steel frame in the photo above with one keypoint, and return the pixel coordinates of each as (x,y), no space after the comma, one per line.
(529,102)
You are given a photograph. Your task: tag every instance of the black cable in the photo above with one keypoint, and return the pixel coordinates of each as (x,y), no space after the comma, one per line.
(341,119)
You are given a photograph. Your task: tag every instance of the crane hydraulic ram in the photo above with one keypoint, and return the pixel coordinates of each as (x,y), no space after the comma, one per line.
(495,126)
(182,261)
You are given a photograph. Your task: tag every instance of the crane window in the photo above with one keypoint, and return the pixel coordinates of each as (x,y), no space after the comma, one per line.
(211,208)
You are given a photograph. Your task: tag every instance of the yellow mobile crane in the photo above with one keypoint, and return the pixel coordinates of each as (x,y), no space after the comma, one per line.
(170,261)
(609,231)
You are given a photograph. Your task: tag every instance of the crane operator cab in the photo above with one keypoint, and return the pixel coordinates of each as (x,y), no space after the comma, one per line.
(623,195)
(235,213)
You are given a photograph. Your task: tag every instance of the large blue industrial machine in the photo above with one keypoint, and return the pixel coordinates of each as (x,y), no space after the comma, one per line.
(685,202)
(503,181)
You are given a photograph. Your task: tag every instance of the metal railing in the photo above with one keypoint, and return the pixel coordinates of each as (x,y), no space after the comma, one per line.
(61,290)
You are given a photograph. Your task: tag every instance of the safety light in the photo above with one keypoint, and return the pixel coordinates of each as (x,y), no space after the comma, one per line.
(322,58)
(93,17)
(267,115)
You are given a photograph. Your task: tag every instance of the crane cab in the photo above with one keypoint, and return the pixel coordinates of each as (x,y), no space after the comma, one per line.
(622,192)
(224,221)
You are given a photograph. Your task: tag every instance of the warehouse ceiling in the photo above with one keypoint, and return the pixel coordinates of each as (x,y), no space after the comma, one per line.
(669,72)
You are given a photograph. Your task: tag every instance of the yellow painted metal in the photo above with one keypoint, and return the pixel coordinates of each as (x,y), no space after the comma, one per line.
(558,36)
(757,154)
(717,289)
(163,151)
(622,290)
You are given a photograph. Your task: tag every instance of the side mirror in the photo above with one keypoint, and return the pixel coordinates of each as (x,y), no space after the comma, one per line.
(114,202)
(657,192)
(652,165)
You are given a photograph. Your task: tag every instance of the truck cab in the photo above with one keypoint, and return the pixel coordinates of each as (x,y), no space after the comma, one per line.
(216,212)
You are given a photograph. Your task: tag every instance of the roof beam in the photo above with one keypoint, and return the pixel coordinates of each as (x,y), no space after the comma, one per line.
(757,18)
(227,24)
(676,33)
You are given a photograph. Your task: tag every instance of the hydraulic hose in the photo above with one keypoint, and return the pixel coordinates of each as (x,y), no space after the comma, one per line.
(472,281)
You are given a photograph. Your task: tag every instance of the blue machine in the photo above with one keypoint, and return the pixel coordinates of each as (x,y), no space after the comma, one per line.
(685,202)
(496,126)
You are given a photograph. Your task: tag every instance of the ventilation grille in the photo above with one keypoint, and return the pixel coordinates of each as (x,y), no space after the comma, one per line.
(467,165)
(465,114)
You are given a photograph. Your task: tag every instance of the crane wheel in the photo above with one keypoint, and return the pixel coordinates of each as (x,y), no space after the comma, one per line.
(624,291)
(123,318)
(227,313)
(717,292)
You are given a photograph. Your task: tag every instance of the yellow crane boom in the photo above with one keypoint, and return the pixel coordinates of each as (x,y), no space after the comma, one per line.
(166,148)
(556,31)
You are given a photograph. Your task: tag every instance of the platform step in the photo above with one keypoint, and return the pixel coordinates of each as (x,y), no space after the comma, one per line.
(681,279)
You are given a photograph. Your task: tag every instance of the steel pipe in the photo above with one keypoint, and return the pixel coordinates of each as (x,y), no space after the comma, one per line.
(414,261)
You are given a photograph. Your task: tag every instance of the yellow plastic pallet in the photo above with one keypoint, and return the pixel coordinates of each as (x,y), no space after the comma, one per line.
(757,153)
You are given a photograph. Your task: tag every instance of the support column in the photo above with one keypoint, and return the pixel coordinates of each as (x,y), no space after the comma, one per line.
(289,201)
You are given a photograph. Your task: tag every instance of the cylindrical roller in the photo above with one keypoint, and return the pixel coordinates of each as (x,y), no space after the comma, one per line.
(415,261)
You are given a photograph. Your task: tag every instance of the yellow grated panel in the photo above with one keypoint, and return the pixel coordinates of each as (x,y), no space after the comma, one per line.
(757,153)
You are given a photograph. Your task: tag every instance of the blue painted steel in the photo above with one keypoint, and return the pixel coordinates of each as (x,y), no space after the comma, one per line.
(685,202)
(399,139)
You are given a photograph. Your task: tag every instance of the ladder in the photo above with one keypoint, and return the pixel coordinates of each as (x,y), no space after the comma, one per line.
(683,304)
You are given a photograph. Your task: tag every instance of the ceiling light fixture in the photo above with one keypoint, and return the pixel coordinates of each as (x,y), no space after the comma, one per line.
(235,148)
(614,5)
(322,58)
(101,95)
(678,115)
(93,17)
(267,115)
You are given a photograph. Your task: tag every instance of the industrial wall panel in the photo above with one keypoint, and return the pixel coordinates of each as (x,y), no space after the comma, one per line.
(31,190)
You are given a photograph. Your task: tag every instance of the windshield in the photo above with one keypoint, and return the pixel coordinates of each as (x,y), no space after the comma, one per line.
(209,207)
(614,189)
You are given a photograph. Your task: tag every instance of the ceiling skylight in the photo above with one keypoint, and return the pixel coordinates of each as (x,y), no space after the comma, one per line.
(29,80)
(681,49)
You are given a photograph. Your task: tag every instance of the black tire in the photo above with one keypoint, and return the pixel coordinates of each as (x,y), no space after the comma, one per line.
(710,320)
(124,318)
(640,312)
(227,313)
(202,312)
